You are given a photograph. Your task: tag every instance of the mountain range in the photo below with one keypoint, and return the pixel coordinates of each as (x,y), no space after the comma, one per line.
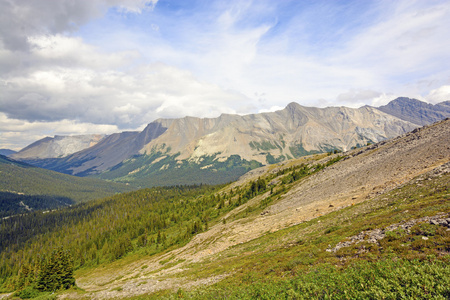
(216,150)
(369,221)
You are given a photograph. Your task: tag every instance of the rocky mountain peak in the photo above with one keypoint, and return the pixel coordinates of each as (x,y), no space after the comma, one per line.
(416,111)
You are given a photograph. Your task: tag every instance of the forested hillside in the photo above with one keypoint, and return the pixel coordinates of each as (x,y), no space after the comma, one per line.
(21,178)
(13,204)
(143,222)
(375,218)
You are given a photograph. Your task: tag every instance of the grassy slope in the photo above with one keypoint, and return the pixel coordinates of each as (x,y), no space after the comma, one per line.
(293,264)
(22,178)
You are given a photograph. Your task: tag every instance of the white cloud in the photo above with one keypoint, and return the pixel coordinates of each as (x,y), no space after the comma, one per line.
(233,57)
(127,99)
(383,99)
(16,134)
(439,95)
(22,19)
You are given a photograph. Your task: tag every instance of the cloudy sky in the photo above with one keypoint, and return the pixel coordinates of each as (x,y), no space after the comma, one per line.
(103,66)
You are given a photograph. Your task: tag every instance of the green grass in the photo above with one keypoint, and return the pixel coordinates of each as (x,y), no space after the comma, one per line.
(293,264)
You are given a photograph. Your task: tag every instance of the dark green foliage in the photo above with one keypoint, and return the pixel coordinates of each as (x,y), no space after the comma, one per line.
(27,293)
(264,146)
(143,171)
(297,173)
(298,151)
(19,177)
(105,230)
(272,160)
(121,246)
(56,272)
(256,187)
(48,273)
(13,204)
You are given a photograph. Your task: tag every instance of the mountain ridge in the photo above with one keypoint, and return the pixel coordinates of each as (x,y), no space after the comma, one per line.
(58,146)
(208,145)
(382,203)
(24,179)
(416,111)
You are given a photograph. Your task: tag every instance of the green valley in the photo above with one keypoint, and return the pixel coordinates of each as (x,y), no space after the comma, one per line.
(366,223)
(26,188)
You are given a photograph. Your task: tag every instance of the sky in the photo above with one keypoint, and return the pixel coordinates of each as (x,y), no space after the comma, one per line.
(102,66)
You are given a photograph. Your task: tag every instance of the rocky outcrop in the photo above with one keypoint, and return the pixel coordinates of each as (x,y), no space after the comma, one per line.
(288,133)
(373,236)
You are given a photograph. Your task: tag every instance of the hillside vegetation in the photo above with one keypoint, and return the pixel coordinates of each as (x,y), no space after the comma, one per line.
(30,183)
(144,222)
(368,223)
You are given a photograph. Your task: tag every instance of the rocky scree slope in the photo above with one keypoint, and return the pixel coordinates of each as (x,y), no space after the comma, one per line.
(362,175)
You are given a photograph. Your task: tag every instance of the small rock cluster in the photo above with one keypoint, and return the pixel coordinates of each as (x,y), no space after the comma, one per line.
(373,236)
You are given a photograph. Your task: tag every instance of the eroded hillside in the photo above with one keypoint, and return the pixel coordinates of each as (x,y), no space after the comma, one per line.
(371,176)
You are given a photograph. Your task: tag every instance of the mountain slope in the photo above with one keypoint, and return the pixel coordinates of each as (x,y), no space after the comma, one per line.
(216,150)
(6,152)
(204,148)
(382,177)
(285,133)
(21,178)
(58,146)
(273,225)
(417,112)
(109,152)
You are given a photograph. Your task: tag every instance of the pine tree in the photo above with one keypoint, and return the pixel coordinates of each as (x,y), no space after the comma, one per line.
(56,272)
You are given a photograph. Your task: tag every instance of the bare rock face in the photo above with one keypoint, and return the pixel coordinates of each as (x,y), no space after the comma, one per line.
(288,133)
(58,146)
(264,138)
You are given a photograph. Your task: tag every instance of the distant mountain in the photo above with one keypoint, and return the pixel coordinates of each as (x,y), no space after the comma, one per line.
(416,111)
(7,152)
(110,151)
(58,146)
(310,227)
(23,179)
(217,150)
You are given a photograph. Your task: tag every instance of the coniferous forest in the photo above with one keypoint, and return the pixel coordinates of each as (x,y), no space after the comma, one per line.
(144,222)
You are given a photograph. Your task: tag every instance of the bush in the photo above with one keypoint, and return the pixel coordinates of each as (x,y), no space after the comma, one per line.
(27,293)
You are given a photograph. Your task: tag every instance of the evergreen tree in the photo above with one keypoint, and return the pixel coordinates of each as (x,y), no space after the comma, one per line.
(56,272)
